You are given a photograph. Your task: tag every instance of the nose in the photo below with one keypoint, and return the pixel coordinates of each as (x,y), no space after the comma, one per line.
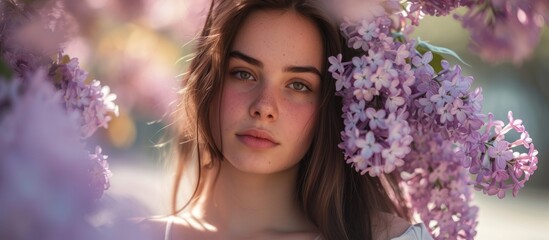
(264,106)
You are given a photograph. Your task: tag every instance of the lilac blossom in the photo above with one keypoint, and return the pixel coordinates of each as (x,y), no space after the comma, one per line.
(438,186)
(401,115)
(100,173)
(441,102)
(92,102)
(45,188)
(502,165)
(87,103)
(49,186)
(31,32)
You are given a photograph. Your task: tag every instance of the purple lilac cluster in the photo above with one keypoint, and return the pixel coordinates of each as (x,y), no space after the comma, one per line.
(15,101)
(45,189)
(491,24)
(31,32)
(375,88)
(439,188)
(399,113)
(92,102)
(47,110)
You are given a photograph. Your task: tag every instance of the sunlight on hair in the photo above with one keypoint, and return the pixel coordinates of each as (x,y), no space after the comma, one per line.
(188,219)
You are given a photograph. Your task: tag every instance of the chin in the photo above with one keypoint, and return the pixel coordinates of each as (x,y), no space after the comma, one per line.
(259,166)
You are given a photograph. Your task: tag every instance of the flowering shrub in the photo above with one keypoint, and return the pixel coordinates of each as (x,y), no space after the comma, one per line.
(403,116)
(44,167)
(86,106)
(48,108)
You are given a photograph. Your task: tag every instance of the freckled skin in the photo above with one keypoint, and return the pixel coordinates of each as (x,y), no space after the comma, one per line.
(270,100)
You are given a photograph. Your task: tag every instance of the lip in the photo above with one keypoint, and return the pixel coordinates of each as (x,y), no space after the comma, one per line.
(257,138)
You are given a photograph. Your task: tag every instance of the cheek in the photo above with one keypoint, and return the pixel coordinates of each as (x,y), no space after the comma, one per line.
(232,109)
(301,119)
(231,105)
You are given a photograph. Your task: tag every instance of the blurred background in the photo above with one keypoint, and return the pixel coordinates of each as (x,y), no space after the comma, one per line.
(138,48)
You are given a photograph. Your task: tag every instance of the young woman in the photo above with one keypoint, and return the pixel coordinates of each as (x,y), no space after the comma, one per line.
(259,132)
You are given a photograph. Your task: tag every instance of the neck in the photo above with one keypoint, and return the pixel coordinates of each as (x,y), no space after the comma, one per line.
(244,204)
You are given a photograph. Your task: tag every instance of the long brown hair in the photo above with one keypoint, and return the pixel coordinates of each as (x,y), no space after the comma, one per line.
(338,201)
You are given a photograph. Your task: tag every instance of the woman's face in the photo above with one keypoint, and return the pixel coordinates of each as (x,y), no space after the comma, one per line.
(271,92)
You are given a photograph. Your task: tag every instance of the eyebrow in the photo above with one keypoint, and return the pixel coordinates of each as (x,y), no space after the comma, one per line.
(246,58)
(295,69)
(304,69)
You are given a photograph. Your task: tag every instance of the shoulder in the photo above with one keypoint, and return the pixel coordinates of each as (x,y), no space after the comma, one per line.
(154,227)
(183,226)
(161,227)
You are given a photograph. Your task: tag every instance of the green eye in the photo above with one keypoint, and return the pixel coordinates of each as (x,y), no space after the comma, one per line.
(299,86)
(243,75)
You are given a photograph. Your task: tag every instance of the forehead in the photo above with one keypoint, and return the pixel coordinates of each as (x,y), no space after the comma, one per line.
(280,37)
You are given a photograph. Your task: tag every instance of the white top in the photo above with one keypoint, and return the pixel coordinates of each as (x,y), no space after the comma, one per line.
(414,232)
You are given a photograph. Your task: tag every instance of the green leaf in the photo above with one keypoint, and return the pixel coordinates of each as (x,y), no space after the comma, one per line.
(399,37)
(423,46)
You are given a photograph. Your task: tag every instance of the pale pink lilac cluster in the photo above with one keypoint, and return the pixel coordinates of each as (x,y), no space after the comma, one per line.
(400,113)
(92,102)
(493,22)
(100,172)
(498,163)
